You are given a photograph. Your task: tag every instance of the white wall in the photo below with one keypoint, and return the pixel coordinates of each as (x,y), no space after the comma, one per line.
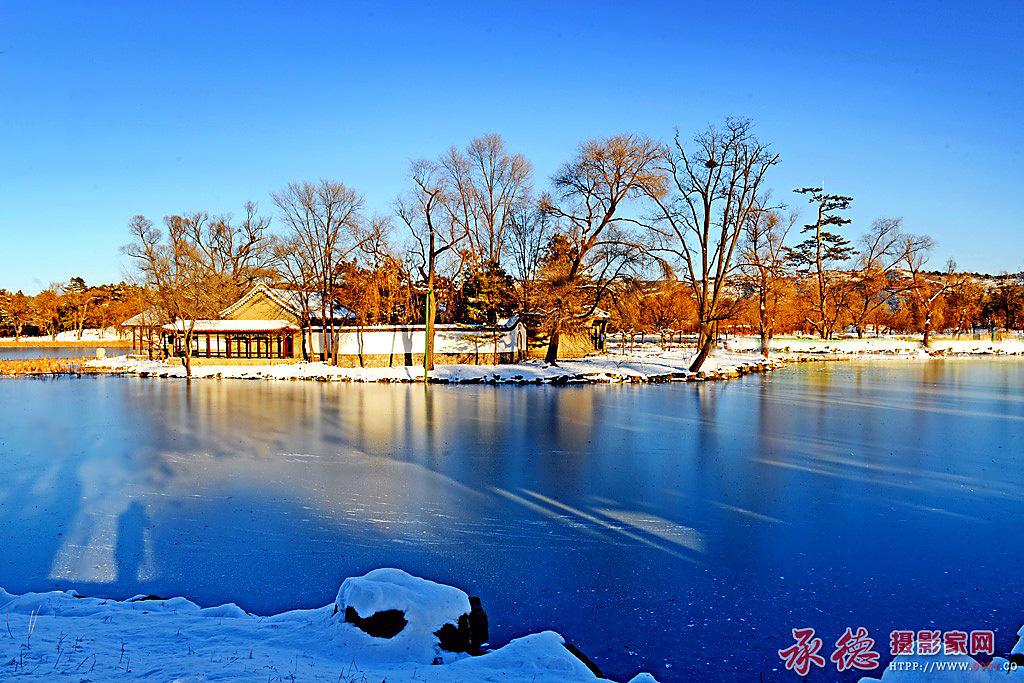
(379,340)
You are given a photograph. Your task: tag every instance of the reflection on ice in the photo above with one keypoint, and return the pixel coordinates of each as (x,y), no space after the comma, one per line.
(658,527)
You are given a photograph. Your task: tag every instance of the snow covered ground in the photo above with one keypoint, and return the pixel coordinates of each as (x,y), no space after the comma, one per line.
(89,336)
(60,636)
(881,345)
(650,364)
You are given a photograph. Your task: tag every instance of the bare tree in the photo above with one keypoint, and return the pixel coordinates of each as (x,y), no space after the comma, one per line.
(763,263)
(822,249)
(594,190)
(294,267)
(325,228)
(529,230)
(488,184)
(238,253)
(176,271)
(874,279)
(715,191)
(924,288)
(426,210)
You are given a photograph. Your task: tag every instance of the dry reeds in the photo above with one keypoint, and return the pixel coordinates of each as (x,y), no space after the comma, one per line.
(44,366)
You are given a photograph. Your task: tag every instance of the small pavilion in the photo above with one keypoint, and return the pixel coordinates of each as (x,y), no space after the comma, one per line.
(146,331)
(234,339)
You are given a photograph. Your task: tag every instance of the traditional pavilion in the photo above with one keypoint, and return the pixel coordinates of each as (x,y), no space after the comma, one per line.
(146,330)
(234,339)
(264,324)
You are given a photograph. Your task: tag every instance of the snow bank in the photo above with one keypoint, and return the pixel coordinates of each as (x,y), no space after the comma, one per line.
(540,656)
(644,365)
(881,345)
(89,336)
(57,635)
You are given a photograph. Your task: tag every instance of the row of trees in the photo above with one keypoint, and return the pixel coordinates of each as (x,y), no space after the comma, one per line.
(470,240)
(68,306)
(965,304)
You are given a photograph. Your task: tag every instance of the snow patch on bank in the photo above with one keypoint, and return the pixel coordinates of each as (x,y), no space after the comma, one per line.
(89,335)
(44,636)
(649,364)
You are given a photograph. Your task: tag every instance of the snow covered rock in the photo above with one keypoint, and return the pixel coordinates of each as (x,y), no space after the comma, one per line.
(539,657)
(643,678)
(427,622)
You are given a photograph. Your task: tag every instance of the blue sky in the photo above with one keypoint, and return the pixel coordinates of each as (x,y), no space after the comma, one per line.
(108,110)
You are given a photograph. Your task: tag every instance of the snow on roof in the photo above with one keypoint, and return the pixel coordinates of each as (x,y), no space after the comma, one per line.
(147,318)
(205,326)
(295,302)
(289,299)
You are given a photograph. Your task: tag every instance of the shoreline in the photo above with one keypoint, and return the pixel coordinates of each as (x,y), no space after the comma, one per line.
(647,366)
(62,634)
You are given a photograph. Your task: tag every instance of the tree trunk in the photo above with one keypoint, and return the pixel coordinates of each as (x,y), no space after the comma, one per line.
(551,357)
(428,341)
(188,355)
(705,342)
(927,327)
(765,342)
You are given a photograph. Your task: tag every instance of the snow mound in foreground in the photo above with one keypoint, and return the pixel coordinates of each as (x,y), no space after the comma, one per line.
(426,607)
(62,636)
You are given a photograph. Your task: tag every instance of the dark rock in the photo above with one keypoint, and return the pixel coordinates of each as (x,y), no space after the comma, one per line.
(454,638)
(469,635)
(386,624)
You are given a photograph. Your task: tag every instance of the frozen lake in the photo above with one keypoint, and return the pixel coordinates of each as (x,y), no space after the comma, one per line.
(682,529)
